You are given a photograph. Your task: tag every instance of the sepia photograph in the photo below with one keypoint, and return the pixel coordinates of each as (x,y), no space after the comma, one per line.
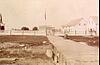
(49,32)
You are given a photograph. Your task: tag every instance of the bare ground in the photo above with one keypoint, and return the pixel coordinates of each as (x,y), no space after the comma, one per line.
(90,40)
(24,50)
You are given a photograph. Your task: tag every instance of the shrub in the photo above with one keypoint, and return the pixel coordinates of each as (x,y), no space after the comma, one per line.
(24,28)
(35,29)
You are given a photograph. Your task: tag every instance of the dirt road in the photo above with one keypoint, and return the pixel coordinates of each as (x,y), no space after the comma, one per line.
(75,53)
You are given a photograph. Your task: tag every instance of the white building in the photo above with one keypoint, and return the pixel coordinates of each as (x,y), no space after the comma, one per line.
(83,27)
(93,25)
(46,29)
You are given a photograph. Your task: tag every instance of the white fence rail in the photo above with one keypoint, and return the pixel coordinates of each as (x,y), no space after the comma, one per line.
(21,32)
(29,32)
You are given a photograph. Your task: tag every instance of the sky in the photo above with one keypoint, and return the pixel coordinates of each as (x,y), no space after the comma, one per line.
(30,13)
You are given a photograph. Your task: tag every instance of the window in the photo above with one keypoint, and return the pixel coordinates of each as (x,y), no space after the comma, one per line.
(2,28)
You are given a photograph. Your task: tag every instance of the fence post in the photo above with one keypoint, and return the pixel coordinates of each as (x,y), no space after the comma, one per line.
(10,32)
(85,32)
(23,32)
(75,32)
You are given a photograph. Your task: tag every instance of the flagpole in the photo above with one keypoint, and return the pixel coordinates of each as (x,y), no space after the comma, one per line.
(45,22)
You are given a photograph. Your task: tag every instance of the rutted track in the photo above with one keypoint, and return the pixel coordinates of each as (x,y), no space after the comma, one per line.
(75,53)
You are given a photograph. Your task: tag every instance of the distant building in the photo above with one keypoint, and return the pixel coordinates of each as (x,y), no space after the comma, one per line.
(2,27)
(93,25)
(82,27)
(46,29)
(76,27)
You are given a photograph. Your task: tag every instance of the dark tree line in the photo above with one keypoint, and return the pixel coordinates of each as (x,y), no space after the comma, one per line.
(26,28)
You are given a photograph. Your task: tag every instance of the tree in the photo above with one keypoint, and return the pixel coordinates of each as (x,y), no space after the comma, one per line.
(35,29)
(24,28)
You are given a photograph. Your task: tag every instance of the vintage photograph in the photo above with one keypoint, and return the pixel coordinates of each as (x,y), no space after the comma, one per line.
(49,32)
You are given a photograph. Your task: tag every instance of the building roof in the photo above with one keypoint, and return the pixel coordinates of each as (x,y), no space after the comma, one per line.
(95,19)
(74,22)
(45,26)
(77,21)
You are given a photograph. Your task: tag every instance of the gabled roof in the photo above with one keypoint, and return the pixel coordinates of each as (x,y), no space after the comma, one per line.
(74,22)
(95,19)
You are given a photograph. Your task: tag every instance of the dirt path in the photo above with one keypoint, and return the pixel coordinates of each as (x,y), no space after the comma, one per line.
(75,53)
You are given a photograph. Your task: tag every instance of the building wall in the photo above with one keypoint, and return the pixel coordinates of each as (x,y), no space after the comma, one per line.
(83,28)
